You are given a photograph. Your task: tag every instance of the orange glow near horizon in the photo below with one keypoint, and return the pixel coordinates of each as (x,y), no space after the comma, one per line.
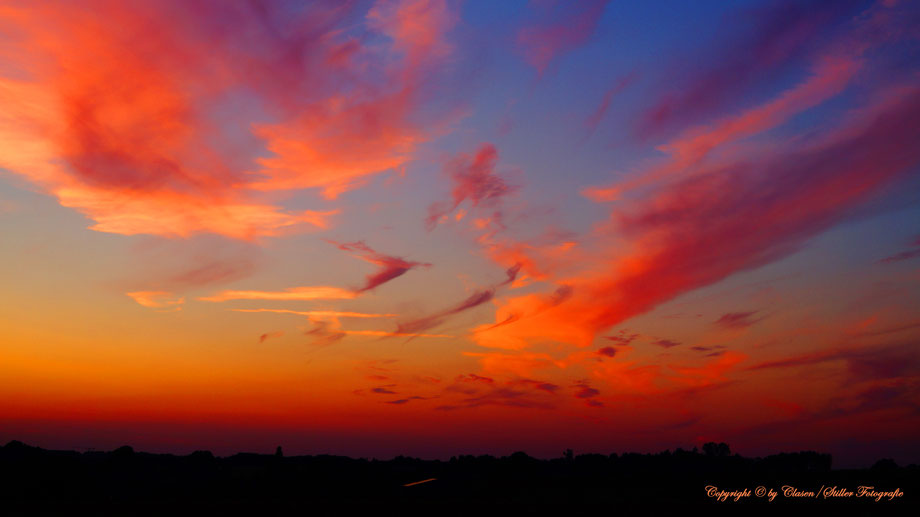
(396,227)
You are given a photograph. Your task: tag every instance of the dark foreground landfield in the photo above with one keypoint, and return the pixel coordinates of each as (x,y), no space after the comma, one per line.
(125,482)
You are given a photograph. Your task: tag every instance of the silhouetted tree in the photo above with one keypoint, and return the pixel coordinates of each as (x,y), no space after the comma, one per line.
(716,449)
(125,477)
(885,464)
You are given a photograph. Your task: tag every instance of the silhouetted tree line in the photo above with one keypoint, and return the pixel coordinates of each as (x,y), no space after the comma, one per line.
(323,484)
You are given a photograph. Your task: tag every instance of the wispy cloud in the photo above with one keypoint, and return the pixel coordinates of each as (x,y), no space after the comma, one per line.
(592,121)
(563,28)
(385,333)
(737,320)
(475,180)
(433,320)
(489,394)
(157,299)
(776,38)
(389,267)
(904,255)
(864,363)
(407,400)
(325,331)
(384,390)
(321,314)
(666,343)
(622,338)
(292,293)
(269,335)
(732,216)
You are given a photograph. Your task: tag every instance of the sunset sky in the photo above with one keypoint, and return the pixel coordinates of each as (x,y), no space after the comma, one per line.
(431,228)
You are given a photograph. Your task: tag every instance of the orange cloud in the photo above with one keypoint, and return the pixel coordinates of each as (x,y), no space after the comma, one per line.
(384,333)
(710,373)
(320,314)
(293,293)
(156,299)
(630,377)
(521,364)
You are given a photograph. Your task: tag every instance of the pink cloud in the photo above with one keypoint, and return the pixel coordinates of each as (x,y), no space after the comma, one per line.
(564,28)
(592,121)
(904,255)
(729,217)
(474,180)
(776,36)
(143,117)
(433,320)
(829,77)
(389,267)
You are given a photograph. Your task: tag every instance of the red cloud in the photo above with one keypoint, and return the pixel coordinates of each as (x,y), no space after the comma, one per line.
(728,217)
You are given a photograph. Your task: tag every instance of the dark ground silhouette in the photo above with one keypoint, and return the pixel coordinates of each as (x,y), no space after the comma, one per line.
(122,481)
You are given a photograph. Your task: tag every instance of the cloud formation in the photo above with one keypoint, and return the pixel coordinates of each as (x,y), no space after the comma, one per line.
(776,38)
(291,293)
(562,28)
(904,255)
(321,314)
(389,267)
(157,299)
(433,320)
(736,214)
(737,320)
(665,343)
(270,335)
(175,118)
(474,180)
